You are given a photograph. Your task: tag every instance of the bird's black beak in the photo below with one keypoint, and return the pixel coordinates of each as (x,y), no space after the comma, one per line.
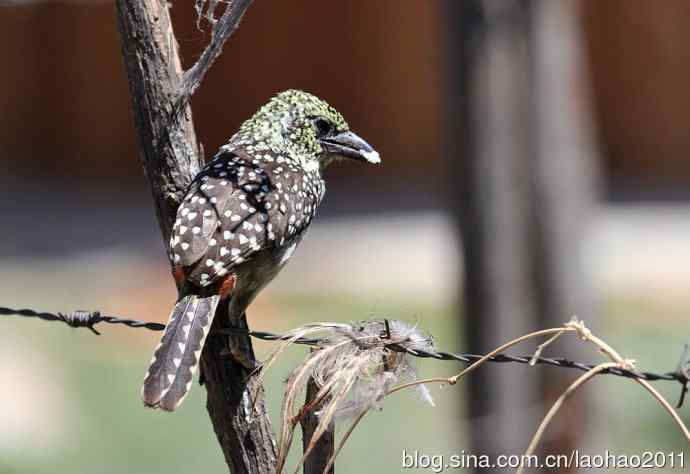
(350,145)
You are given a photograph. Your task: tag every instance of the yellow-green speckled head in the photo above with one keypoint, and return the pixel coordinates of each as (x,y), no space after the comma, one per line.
(304,129)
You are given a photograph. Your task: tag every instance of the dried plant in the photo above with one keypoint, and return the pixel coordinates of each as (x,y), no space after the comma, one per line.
(354,367)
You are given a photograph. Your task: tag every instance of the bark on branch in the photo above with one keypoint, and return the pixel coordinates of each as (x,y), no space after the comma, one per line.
(317,461)
(168,149)
(171,158)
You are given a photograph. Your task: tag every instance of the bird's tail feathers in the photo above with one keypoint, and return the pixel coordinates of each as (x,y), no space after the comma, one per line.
(176,358)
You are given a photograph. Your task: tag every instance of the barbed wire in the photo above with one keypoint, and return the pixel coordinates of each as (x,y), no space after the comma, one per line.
(88,319)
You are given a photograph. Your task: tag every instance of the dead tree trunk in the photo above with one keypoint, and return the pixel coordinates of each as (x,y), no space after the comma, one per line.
(490,169)
(522,164)
(171,157)
(564,181)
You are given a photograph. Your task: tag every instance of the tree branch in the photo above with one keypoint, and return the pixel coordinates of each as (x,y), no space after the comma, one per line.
(222,30)
(169,151)
(317,461)
(246,437)
(171,159)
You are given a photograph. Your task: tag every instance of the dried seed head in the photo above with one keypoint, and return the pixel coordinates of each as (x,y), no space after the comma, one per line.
(354,366)
(380,367)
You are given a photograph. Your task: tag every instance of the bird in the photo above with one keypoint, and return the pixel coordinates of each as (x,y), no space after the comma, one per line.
(240,221)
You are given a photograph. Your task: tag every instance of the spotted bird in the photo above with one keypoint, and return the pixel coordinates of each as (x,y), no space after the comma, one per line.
(240,222)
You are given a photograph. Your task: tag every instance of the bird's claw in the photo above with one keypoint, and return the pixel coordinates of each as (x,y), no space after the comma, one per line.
(240,356)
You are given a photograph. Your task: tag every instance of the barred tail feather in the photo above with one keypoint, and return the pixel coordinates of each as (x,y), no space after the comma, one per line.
(177,356)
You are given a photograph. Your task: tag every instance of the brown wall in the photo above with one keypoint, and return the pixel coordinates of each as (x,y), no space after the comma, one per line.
(65,106)
(640,56)
(67,109)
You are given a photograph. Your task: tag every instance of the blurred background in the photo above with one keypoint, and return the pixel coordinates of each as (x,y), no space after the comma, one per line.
(535,166)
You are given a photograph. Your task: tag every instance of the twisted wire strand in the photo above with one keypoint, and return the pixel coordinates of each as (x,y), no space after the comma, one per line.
(88,319)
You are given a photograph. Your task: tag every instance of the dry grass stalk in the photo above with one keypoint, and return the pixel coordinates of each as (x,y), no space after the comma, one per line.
(574,326)
(617,361)
(559,402)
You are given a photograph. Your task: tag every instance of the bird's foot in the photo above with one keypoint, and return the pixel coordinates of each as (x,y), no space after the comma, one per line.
(240,356)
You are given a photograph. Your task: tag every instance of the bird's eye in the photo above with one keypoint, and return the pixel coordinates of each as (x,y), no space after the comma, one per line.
(323,127)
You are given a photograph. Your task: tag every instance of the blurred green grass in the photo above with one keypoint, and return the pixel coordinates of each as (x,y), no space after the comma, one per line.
(103,427)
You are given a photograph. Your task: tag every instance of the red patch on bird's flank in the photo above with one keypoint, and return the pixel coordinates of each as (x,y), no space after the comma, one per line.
(179,275)
(226,286)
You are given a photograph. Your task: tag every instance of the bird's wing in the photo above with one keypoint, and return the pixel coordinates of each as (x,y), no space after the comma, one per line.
(235,207)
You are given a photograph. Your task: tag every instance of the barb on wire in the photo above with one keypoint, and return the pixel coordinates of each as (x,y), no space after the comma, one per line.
(88,319)
(81,319)
(683,369)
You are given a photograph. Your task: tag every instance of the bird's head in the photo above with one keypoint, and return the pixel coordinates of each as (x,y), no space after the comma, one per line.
(306,128)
